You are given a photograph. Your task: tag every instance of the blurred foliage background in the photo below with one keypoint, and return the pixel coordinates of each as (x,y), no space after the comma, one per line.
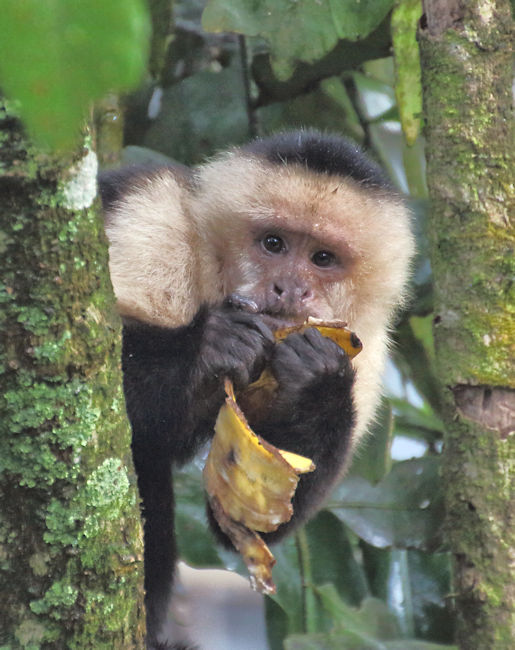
(371,570)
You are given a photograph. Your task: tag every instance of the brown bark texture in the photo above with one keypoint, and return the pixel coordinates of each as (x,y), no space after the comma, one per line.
(467,55)
(70,541)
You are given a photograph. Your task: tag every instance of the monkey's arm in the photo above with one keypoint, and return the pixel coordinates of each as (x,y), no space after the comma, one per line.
(312,415)
(173,382)
(173,378)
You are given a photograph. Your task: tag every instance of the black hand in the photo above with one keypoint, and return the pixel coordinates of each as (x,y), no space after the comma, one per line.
(235,344)
(309,364)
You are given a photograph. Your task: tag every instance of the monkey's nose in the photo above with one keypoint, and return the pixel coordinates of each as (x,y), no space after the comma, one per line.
(278,290)
(286,293)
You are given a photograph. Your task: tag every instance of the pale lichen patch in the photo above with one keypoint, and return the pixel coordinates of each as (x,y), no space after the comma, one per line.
(80,190)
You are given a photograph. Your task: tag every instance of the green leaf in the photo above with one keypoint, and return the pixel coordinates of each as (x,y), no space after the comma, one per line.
(413,356)
(334,88)
(355,20)
(208,107)
(372,459)
(346,640)
(430,578)
(408,86)
(341,640)
(196,544)
(57,56)
(333,559)
(416,422)
(372,627)
(372,619)
(376,564)
(404,510)
(287,578)
(296,31)
(327,107)
(407,644)
(353,628)
(330,558)
(276,624)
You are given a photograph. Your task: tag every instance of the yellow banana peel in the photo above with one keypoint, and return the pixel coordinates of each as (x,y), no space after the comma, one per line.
(249,482)
(253,480)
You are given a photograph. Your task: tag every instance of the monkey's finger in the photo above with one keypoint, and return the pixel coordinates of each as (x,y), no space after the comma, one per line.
(330,357)
(320,342)
(239,373)
(249,344)
(254,323)
(248,364)
(290,348)
(303,348)
(288,359)
(242,303)
(336,331)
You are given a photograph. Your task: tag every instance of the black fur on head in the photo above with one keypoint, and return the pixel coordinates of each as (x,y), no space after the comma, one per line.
(320,152)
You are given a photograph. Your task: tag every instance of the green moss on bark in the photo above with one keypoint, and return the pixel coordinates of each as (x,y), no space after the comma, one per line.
(470,164)
(467,73)
(70,543)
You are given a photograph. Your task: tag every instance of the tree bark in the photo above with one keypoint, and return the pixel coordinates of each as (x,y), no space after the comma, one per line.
(70,542)
(467,54)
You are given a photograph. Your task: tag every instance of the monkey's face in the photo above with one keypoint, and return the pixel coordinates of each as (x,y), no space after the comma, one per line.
(285,274)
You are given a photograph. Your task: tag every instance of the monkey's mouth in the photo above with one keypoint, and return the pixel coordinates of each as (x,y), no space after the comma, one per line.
(278,320)
(274,316)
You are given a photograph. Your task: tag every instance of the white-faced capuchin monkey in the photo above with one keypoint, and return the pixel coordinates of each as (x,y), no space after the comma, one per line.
(205,264)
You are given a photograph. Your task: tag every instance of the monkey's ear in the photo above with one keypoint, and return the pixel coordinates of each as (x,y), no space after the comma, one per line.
(114,184)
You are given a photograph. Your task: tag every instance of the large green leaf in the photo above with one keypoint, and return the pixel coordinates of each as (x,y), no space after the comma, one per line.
(357,629)
(333,559)
(404,510)
(56,56)
(196,544)
(288,580)
(408,86)
(276,624)
(208,107)
(372,459)
(430,585)
(372,619)
(346,640)
(416,422)
(326,557)
(304,30)
(372,627)
(330,559)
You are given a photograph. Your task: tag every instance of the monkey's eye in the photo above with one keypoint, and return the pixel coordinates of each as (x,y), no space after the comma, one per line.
(273,244)
(323,259)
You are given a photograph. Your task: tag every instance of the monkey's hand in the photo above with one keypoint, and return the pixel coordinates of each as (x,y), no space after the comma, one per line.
(311,414)
(315,378)
(235,344)
(174,377)
(309,362)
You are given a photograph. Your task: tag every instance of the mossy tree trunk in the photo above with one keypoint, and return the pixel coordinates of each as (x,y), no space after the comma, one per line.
(467,56)
(70,543)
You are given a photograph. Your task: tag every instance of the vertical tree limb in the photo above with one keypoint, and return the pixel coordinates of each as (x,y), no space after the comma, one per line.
(70,544)
(467,55)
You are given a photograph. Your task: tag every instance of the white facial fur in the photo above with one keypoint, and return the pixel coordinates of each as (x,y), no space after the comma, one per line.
(174,248)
